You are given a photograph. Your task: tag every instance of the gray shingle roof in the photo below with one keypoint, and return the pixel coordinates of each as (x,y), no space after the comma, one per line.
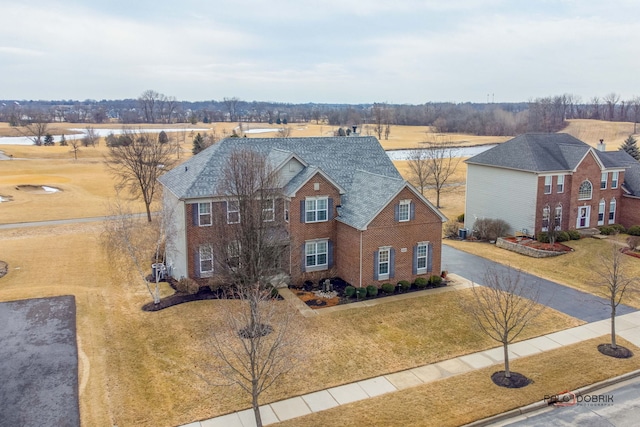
(535,152)
(358,164)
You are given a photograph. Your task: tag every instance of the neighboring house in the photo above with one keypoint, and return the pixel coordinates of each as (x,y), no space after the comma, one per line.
(346,210)
(538,181)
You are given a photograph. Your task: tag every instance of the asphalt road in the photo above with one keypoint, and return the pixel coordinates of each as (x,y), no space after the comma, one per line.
(570,301)
(617,405)
(39,363)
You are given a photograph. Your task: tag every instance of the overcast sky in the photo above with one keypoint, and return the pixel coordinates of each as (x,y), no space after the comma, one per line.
(329,51)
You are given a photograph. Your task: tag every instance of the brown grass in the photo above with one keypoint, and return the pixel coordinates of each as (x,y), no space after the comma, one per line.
(153,369)
(592,131)
(465,398)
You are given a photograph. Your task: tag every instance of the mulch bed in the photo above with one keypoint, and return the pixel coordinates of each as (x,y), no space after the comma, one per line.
(535,244)
(619,352)
(516,380)
(625,251)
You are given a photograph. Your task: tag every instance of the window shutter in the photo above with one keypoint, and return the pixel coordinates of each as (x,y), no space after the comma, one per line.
(412,210)
(330,254)
(392,263)
(415,260)
(194,213)
(330,209)
(196,261)
(396,209)
(302,212)
(303,259)
(375,265)
(429,257)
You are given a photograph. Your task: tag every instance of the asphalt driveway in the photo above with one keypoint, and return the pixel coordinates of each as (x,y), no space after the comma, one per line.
(570,301)
(39,363)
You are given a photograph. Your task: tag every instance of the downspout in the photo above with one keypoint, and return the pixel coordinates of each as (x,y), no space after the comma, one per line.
(360,280)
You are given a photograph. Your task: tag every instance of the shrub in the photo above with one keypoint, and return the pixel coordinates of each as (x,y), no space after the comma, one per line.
(490,229)
(349,291)
(274,292)
(421,282)
(460,218)
(435,280)
(574,235)
(388,288)
(633,242)
(606,230)
(542,237)
(187,286)
(405,285)
(372,290)
(634,230)
(451,229)
(562,236)
(362,293)
(619,228)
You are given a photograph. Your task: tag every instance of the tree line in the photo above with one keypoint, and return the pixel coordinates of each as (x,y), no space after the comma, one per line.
(545,114)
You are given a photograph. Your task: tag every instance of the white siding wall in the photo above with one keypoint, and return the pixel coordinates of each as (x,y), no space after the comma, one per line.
(501,193)
(176,249)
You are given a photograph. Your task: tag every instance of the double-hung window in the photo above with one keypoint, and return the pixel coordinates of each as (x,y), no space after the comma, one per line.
(560,184)
(557,221)
(316,209)
(233,212)
(384,260)
(404,210)
(601,207)
(204,214)
(603,180)
(612,211)
(205,253)
(422,252)
(546,214)
(316,255)
(287,207)
(614,179)
(547,184)
(268,210)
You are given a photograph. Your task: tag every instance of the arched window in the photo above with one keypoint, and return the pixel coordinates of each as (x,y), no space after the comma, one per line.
(557,220)
(612,211)
(546,213)
(584,193)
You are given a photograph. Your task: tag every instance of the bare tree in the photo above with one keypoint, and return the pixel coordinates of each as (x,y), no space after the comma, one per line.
(611,100)
(36,127)
(75,147)
(138,165)
(434,164)
(614,283)
(140,244)
(232,107)
(635,107)
(258,343)
(90,138)
(504,307)
(284,132)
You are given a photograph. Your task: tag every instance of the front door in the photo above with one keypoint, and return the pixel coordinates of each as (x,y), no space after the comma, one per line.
(583,216)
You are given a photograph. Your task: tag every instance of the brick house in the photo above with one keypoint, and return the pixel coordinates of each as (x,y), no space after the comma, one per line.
(538,181)
(346,211)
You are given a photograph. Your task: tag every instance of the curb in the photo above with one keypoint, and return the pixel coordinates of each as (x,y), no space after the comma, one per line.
(542,404)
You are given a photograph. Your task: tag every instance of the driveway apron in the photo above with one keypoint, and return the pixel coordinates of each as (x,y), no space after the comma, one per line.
(572,302)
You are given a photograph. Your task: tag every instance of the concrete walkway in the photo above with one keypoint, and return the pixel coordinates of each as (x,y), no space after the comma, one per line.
(627,326)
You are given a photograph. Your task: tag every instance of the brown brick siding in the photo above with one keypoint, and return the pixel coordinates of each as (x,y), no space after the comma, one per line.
(588,169)
(629,211)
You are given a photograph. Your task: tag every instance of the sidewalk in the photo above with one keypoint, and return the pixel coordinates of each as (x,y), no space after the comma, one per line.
(627,326)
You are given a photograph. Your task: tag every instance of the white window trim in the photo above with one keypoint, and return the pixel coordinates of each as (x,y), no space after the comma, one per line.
(560,184)
(406,203)
(615,177)
(548,182)
(603,183)
(557,219)
(229,212)
(590,192)
(201,259)
(387,250)
(315,201)
(316,266)
(269,214)
(546,214)
(602,207)
(422,270)
(287,209)
(200,215)
(612,204)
